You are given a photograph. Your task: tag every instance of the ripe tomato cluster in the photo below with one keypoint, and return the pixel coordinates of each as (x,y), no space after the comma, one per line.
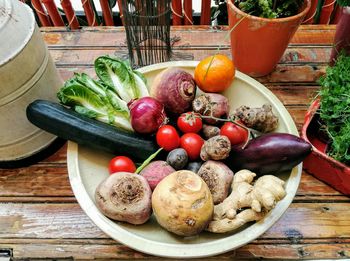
(190,124)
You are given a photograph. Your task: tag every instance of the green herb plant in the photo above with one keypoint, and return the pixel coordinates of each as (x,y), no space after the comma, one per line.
(335,107)
(270,8)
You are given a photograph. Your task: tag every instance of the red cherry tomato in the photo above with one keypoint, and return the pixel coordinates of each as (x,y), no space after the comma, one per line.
(121,163)
(192,144)
(234,133)
(190,122)
(167,137)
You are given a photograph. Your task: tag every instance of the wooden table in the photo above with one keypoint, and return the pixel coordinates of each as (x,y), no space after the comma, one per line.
(40,218)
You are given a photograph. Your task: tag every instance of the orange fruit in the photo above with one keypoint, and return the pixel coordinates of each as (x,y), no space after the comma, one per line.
(214,73)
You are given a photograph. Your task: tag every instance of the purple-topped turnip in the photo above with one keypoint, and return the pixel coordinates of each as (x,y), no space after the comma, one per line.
(175,88)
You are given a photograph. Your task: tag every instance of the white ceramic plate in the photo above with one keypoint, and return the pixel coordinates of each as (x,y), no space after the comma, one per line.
(87,168)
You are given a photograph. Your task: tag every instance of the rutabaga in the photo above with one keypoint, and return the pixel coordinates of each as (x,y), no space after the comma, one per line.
(94,100)
(118,74)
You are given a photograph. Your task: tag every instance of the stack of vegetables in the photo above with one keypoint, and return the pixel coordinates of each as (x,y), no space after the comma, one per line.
(200,157)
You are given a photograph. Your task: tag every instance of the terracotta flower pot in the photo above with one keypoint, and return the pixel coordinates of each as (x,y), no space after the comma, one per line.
(257,44)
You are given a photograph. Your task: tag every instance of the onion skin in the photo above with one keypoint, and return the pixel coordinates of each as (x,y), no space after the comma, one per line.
(147,115)
(175,88)
(269,154)
(182,203)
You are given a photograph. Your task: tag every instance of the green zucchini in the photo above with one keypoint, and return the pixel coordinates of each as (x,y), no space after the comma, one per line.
(68,124)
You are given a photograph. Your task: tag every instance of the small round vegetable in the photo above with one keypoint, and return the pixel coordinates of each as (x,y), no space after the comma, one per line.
(168,138)
(147,115)
(121,163)
(192,144)
(234,133)
(182,203)
(194,166)
(125,197)
(175,88)
(190,122)
(156,171)
(177,158)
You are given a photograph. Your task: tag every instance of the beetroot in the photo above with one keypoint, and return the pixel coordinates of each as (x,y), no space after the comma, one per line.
(175,88)
(156,171)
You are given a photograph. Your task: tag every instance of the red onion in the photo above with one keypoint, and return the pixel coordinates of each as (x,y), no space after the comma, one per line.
(147,115)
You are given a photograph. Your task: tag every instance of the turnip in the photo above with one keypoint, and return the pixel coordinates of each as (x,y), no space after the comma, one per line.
(124,196)
(218,177)
(182,203)
(175,88)
(155,171)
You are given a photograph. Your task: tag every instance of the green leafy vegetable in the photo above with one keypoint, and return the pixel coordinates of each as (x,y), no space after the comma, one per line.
(270,8)
(343,2)
(335,107)
(92,99)
(118,75)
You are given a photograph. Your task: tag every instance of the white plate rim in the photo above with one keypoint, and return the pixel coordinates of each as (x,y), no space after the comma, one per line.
(156,248)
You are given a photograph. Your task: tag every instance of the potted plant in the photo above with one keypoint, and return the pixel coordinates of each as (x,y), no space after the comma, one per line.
(262,31)
(327,127)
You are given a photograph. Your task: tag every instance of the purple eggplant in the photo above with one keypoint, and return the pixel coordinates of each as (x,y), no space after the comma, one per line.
(269,153)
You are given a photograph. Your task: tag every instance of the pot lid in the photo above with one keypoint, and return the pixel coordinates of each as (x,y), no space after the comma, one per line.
(17,24)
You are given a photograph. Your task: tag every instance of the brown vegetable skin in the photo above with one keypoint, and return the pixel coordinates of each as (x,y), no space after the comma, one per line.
(210,131)
(261,119)
(269,153)
(175,89)
(126,197)
(211,104)
(182,203)
(155,171)
(216,148)
(218,177)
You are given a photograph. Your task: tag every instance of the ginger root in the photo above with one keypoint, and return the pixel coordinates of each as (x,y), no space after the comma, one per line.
(256,200)
(261,119)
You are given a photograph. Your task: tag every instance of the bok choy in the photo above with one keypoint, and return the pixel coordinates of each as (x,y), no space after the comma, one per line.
(95,100)
(117,74)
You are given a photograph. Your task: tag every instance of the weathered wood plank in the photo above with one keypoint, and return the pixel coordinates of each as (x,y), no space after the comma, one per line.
(284,73)
(85,57)
(67,220)
(103,249)
(115,36)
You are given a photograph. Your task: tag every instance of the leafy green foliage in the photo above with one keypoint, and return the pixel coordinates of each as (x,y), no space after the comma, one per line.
(119,76)
(270,8)
(335,107)
(343,2)
(94,100)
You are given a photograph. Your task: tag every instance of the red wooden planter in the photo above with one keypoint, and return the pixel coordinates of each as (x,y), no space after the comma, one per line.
(318,163)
